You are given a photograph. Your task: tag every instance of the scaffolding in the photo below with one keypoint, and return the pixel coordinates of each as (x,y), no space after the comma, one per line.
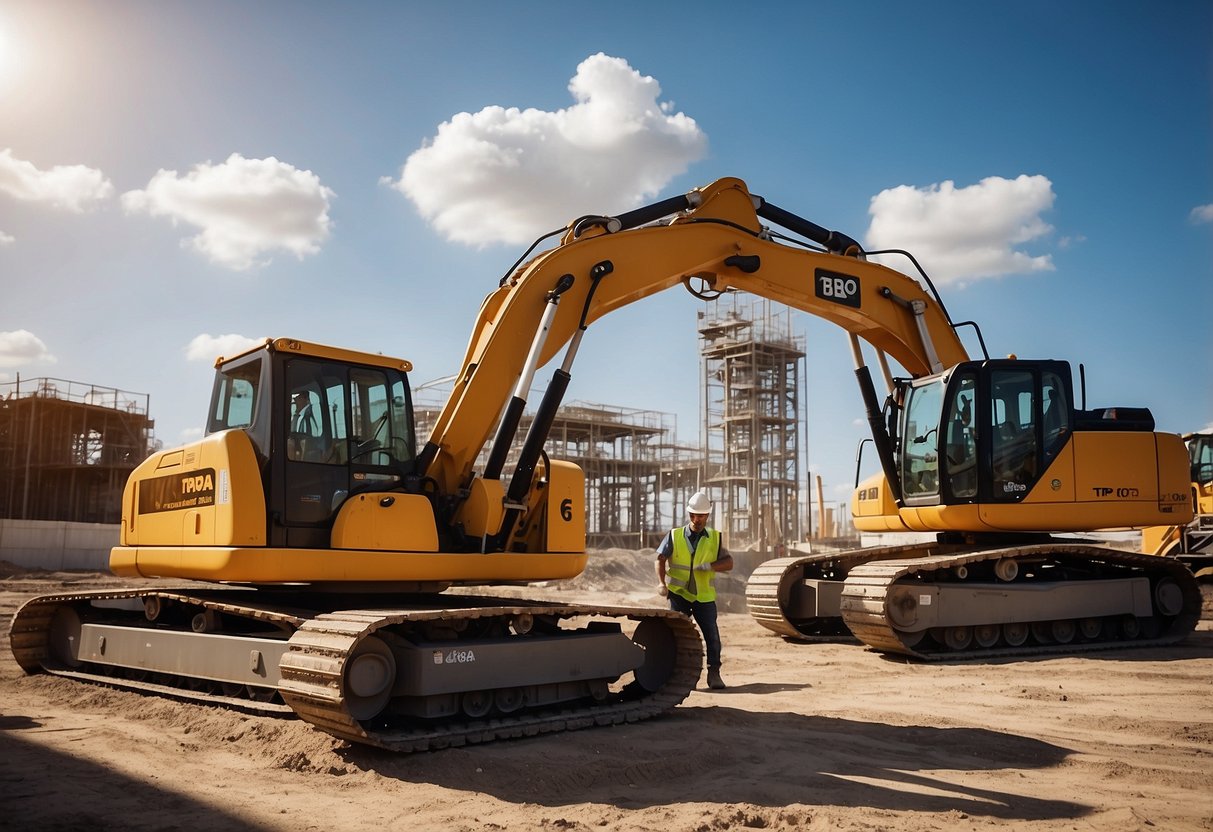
(752,408)
(637,475)
(67,448)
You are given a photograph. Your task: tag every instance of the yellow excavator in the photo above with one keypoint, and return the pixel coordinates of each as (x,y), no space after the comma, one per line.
(325,537)
(1191,543)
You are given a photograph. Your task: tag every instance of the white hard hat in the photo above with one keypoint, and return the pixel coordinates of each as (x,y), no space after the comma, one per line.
(699,503)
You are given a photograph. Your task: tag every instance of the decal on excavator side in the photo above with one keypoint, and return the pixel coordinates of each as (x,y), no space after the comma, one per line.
(191,489)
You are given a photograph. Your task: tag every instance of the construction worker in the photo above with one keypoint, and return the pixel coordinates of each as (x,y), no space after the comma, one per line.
(687,562)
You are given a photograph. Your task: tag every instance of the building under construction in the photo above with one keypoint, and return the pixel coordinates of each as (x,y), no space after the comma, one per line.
(637,474)
(67,448)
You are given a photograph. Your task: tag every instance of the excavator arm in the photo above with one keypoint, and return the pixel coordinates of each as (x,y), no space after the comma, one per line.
(712,240)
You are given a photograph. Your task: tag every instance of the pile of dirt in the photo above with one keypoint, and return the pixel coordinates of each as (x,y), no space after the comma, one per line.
(12,570)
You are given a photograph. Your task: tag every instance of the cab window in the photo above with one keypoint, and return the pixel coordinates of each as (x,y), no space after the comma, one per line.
(1056,420)
(919,456)
(315,412)
(1013,432)
(1201,454)
(960,442)
(381,428)
(234,398)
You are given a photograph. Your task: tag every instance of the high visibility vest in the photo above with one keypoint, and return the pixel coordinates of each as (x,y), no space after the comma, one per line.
(680,575)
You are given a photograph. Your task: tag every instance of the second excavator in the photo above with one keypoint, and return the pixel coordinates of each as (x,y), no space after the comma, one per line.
(320,542)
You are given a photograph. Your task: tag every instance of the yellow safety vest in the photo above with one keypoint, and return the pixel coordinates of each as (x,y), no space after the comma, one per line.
(680,575)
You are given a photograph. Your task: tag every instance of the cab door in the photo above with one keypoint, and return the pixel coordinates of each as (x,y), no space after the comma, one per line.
(380,429)
(314,450)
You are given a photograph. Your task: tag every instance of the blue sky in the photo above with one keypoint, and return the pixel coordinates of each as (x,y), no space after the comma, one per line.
(172,173)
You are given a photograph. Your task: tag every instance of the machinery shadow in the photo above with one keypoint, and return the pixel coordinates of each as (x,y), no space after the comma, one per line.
(50,791)
(766,759)
(760,687)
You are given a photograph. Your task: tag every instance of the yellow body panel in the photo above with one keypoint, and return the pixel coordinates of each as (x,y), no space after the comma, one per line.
(1155,539)
(564,508)
(386,522)
(205,494)
(484,508)
(268,566)
(873,508)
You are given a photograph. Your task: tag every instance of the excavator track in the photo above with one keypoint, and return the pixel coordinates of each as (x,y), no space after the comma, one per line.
(328,667)
(315,681)
(779,599)
(997,602)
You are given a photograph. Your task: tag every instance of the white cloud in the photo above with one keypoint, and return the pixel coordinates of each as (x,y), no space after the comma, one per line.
(6,239)
(189,435)
(71,187)
(206,347)
(963,234)
(504,175)
(23,347)
(1202,214)
(245,208)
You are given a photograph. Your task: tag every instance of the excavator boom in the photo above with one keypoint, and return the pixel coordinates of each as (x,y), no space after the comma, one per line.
(714,237)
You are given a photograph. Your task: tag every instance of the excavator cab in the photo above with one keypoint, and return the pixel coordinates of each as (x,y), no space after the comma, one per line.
(324,423)
(983,431)
(997,446)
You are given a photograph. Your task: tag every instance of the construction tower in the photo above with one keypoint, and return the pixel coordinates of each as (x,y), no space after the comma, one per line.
(752,406)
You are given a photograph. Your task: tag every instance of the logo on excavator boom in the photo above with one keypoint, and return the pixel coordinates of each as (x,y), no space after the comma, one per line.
(836,287)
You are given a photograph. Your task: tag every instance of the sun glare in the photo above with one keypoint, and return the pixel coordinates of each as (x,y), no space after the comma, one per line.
(8,55)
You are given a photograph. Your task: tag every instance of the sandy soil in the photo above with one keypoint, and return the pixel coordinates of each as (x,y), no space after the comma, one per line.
(807,737)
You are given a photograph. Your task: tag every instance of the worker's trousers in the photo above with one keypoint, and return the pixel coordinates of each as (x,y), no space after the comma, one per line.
(704,613)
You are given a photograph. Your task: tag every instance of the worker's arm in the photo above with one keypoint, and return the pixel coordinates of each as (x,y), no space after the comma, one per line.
(663,552)
(723,562)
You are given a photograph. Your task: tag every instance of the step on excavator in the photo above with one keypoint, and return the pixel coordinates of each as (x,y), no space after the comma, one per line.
(319,541)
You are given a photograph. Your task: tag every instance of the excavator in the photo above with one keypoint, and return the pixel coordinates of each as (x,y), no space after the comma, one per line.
(328,555)
(1191,543)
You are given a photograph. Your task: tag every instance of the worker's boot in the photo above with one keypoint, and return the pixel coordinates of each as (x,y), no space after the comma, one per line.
(714,680)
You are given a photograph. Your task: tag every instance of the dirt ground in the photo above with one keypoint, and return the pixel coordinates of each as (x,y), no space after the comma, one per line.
(807,737)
